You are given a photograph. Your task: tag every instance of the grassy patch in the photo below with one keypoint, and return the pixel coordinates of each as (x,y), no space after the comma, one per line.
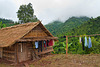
(5,65)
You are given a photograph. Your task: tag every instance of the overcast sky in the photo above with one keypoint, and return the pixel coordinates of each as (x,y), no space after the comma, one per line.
(50,10)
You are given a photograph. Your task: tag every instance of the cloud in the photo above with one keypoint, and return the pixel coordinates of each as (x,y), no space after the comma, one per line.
(7,9)
(49,10)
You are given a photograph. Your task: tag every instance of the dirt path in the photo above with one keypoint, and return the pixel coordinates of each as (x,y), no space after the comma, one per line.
(60,60)
(73,60)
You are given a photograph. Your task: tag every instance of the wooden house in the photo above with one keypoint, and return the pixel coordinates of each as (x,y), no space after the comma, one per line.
(16,42)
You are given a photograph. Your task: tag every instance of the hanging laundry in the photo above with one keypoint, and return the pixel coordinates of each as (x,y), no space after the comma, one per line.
(51,43)
(40,46)
(90,44)
(36,44)
(83,43)
(45,45)
(80,39)
(86,44)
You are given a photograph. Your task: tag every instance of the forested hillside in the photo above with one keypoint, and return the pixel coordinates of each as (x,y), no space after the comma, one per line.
(92,26)
(7,22)
(58,28)
(54,26)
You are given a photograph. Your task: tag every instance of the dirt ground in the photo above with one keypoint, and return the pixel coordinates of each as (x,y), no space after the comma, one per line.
(72,60)
(60,60)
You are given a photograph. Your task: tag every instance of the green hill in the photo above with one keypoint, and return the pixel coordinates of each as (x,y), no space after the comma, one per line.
(58,28)
(54,26)
(90,27)
(8,22)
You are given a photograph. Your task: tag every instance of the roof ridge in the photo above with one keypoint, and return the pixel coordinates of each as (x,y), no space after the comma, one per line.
(19,25)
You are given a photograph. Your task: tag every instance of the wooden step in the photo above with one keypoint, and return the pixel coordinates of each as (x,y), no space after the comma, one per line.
(26,64)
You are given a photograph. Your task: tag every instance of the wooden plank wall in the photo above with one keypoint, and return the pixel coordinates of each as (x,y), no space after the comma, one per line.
(1,49)
(9,53)
(36,32)
(29,49)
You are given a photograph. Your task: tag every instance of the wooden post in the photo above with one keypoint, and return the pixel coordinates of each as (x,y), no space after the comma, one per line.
(16,53)
(66,45)
(42,46)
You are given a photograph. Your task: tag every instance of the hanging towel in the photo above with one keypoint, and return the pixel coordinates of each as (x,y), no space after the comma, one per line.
(86,44)
(90,44)
(83,43)
(36,44)
(51,43)
(80,39)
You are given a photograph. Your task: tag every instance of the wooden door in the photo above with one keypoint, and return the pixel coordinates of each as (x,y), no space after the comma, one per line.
(22,52)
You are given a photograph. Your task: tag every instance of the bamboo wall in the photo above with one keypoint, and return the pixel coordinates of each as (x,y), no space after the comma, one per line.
(36,32)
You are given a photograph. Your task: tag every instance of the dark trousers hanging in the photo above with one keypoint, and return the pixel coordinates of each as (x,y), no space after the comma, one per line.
(40,46)
(47,43)
(83,43)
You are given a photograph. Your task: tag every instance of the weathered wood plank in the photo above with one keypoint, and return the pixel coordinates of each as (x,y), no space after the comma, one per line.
(8,51)
(49,49)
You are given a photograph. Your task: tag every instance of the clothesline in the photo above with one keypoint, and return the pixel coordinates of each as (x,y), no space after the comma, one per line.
(77,36)
(84,35)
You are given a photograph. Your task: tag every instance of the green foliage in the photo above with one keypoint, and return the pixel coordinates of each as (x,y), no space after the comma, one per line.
(57,28)
(60,47)
(7,22)
(96,45)
(52,27)
(2,25)
(26,13)
(89,27)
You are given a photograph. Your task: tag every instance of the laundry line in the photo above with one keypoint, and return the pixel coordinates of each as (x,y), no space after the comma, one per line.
(84,35)
(77,36)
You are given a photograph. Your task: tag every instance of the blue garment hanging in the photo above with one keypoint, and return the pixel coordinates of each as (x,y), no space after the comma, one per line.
(36,44)
(90,44)
(86,44)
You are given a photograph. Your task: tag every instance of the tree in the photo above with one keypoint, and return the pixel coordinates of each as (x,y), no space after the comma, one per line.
(26,13)
(2,25)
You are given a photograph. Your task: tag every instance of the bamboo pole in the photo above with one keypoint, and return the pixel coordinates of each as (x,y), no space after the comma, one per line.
(66,45)
(85,35)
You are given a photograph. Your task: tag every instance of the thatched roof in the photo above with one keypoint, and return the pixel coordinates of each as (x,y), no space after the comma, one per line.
(9,35)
